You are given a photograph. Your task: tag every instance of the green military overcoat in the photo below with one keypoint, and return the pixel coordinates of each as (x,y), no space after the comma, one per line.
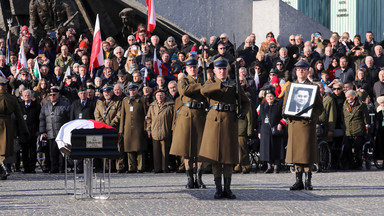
(302,139)
(108,113)
(132,117)
(220,137)
(9,105)
(189,125)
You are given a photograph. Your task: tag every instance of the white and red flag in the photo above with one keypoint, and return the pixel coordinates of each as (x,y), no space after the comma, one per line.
(22,62)
(97,58)
(158,67)
(151,16)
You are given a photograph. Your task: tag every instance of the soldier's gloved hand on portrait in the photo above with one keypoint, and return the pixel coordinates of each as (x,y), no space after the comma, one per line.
(229,84)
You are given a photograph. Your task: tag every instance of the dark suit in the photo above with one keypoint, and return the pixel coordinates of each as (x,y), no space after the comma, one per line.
(28,143)
(78,111)
(82,81)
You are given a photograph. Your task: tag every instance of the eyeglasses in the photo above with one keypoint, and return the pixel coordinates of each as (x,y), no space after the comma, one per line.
(337,89)
(171,41)
(51,95)
(222,38)
(269,36)
(273,47)
(23,74)
(130,39)
(292,39)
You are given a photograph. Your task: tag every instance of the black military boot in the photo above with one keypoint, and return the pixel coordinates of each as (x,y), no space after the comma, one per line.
(219,190)
(299,182)
(4,173)
(227,189)
(190,183)
(308,178)
(199,181)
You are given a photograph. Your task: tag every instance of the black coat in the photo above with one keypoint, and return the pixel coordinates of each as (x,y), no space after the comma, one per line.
(31,117)
(86,111)
(271,147)
(379,133)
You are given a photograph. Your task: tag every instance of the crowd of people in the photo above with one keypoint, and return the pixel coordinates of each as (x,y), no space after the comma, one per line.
(147,105)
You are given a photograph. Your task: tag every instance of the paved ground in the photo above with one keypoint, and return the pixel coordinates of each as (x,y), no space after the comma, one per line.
(335,193)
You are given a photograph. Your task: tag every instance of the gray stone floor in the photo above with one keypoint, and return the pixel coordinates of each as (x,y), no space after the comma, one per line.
(335,193)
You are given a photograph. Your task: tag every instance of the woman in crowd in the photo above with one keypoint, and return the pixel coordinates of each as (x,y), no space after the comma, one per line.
(271,125)
(333,66)
(171,45)
(361,83)
(42,89)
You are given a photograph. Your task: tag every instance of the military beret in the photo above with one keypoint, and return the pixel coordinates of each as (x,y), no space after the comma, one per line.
(302,64)
(270,91)
(220,63)
(191,61)
(24,70)
(158,90)
(81,89)
(107,88)
(132,87)
(54,90)
(3,81)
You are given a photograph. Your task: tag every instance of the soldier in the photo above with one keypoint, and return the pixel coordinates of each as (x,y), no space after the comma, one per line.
(8,105)
(190,120)
(302,143)
(133,111)
(52,116)
(219,143)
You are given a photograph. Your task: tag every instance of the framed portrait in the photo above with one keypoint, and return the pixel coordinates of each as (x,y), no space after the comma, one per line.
(300,100)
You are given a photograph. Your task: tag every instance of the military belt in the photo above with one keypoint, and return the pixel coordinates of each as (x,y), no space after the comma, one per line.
(194,105)
(224,107)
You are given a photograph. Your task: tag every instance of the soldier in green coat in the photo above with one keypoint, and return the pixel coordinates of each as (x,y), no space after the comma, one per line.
(190,121)
(8,106)
(219,144)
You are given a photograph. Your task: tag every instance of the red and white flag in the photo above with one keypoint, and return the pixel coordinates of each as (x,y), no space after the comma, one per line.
(151,16)
(97,58)
(158,67)
(22,62)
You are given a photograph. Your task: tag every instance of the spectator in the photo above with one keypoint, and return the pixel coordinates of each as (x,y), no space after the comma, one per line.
(378,87)
(53,115)
(159,123)
(64,60)
(378,57)
(356,119)
(370,43)
(372,70)
(344,73)
(171,45)
(270,37)
(248,50)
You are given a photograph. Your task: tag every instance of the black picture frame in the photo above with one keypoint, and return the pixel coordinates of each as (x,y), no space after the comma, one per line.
(300,100)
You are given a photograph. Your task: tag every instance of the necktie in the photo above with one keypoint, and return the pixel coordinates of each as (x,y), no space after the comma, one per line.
(26,106)
(83,103)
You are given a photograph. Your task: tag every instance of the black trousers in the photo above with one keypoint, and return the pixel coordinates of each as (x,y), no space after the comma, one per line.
(347,157)
(29,156)
(56,158)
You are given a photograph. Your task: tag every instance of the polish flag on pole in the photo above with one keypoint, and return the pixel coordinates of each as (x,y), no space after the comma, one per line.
(22,62)
(97,58)
(151,16)
(158,67)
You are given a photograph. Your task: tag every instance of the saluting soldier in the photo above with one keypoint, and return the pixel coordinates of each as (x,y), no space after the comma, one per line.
(133,112)
(82,108)
(302,139)
(8,105)
(190,120)
(219,143)
(108,108)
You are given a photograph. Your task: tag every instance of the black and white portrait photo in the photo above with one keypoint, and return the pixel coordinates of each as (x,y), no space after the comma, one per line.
(300,97)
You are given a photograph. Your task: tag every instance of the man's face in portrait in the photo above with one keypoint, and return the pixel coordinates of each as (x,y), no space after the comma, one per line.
(301,98)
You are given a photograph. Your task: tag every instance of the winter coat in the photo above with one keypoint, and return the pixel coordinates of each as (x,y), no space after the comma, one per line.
(189,124)
(302,140)
(59,62)
(9,105)
(159,119)
(328,117)
(52,117)
(220,137)
(108,114)
(355,118)
(379,133)
(132,116)
(271,146)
